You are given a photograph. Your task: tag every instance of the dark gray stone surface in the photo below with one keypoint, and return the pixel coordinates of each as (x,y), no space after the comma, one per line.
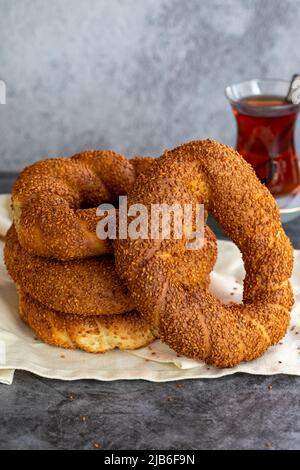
(236,412)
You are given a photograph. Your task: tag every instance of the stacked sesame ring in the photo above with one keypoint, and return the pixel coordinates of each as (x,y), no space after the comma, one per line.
(79,287)
(187,317)
(69,294)
(54,202)
(91,333)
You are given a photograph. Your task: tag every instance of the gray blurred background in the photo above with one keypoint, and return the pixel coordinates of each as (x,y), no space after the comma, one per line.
(137,76)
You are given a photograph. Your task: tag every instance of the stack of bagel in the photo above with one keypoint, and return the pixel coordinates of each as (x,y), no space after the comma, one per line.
(69,291)
(71,295)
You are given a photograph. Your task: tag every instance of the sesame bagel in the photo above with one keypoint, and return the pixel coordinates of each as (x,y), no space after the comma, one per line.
(141,164)
(190,319)
(86,287)
(89,333)
(54,202)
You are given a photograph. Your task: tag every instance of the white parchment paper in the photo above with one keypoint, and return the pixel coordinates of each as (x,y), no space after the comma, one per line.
(19,349)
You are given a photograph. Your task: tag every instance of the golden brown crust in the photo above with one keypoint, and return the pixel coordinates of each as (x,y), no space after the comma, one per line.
(141,164)
(188,318)
(49,197)
(86,287)
(89,333)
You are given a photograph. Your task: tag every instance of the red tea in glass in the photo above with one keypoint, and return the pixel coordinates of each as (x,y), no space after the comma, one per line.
(265,132)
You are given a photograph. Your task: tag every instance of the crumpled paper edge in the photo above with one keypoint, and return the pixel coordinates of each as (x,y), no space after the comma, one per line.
(7,376)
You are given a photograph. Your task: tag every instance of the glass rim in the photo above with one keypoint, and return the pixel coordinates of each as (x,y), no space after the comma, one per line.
(284,107)
(289,210)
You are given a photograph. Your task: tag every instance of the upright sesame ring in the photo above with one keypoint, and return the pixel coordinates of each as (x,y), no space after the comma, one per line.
(188,317)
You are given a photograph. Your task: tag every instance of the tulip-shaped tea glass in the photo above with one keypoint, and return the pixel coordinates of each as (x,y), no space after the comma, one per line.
(265,132)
